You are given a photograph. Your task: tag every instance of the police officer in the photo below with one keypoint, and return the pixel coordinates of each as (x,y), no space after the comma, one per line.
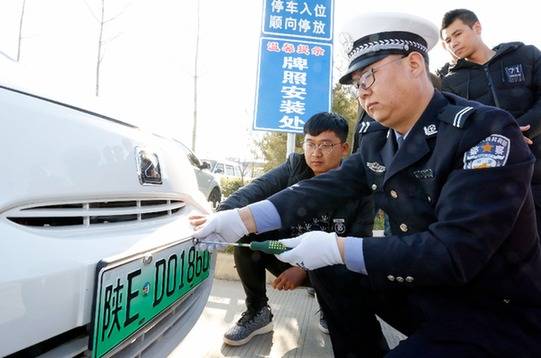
(461,276)
(507,76)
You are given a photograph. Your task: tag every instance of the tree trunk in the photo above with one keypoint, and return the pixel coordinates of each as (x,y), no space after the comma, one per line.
(20,32)
(98,62)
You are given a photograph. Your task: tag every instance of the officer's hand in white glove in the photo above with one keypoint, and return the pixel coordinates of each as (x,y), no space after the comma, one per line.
(224,226)
(312,250)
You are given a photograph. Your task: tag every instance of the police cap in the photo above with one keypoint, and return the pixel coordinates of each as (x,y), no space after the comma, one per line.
(371,37)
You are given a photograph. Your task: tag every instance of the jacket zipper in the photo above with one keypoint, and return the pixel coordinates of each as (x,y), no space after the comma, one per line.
(491,86)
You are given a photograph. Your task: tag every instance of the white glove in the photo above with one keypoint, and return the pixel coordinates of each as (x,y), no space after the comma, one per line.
(312,250)
(224,226)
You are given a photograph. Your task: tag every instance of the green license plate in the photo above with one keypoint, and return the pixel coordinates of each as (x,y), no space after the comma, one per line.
(131,292)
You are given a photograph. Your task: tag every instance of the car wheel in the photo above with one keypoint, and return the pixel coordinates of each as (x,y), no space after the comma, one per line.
(215,197)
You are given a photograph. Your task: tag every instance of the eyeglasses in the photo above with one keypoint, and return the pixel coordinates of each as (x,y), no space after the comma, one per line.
(325,148)
(368,78)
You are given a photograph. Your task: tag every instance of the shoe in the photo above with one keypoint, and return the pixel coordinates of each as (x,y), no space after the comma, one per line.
(323,323)
(310,291)
(249,325)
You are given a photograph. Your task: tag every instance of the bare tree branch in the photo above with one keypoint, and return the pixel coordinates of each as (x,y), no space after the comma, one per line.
(7,56)
(121,12)
(91,11)
(101,42)
(105,42)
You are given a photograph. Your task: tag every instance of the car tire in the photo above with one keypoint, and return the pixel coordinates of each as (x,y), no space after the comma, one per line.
(215,197)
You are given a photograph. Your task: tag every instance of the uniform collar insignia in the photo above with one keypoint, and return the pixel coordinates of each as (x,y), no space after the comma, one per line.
(430,129)
(423,173)
(375,167)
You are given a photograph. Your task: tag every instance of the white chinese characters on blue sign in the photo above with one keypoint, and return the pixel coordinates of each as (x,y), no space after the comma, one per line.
(310,19)
(294,81)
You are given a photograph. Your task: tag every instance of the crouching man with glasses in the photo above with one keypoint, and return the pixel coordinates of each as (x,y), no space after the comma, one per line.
(324,146)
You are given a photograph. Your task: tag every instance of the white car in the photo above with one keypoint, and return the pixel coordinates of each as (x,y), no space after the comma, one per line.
(97,251)
(224,169)
(208,184)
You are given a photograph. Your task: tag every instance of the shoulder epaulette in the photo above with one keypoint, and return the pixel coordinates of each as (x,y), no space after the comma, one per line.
(457,116)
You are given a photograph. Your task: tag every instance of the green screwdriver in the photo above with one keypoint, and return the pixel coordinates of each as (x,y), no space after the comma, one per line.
(269,247)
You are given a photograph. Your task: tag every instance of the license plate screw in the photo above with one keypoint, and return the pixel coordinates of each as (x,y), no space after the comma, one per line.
(146,288)
(147,259)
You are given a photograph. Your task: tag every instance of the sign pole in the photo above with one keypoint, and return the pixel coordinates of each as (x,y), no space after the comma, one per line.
(290,147)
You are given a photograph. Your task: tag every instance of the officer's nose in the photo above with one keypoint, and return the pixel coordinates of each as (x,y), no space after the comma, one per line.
(363,94)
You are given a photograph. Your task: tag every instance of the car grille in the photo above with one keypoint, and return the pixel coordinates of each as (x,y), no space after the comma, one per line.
(87,214)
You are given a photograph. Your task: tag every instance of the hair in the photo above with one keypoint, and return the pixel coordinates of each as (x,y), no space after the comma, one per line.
(468,17)
(327,121)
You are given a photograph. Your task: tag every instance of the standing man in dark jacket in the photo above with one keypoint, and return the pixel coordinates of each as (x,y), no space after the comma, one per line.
(507,76)
(324,146)
(461,274)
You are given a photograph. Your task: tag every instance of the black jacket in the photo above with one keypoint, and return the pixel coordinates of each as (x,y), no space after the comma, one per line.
(468,253)
(355,218)
(510,80)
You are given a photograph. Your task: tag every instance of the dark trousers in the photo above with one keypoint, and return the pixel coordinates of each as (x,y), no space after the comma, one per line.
(350,308)
(251,266)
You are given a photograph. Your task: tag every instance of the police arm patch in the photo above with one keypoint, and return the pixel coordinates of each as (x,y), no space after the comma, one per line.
(491,152)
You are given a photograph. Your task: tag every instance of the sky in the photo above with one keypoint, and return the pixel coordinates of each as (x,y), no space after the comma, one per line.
(148,66)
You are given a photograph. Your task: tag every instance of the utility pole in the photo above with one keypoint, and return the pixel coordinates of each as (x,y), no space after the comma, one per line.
(195,78)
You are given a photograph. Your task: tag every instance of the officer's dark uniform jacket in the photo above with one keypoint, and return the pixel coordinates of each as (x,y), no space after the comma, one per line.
(468,255)
(510,80)
(356,217)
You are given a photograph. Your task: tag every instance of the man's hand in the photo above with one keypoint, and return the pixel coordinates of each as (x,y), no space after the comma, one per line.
(524,129)
(224,226)
(290,279)
(312,250)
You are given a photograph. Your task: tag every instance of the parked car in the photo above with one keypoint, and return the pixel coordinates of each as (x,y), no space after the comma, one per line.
(208,184)
(97,251)
(224,169)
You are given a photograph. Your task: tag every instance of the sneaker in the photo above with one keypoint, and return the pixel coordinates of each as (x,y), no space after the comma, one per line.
(323,323)
(310,291)
(249,325)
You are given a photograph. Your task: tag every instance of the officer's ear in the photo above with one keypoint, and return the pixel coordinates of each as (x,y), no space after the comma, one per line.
(416,64)
(477,28)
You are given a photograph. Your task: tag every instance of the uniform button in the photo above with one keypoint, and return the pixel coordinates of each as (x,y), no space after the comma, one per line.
(374,186)
(404,227)
(409,279)
(399,279)
(506,300)
(394,194)
(390,278)
(429,198)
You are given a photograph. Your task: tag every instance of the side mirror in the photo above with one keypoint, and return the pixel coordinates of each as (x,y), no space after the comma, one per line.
(205,165)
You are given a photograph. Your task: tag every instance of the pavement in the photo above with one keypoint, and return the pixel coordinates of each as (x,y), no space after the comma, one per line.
(296,317)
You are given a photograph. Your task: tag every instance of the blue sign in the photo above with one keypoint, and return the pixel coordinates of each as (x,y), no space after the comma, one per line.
(294,78)
(309,19)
